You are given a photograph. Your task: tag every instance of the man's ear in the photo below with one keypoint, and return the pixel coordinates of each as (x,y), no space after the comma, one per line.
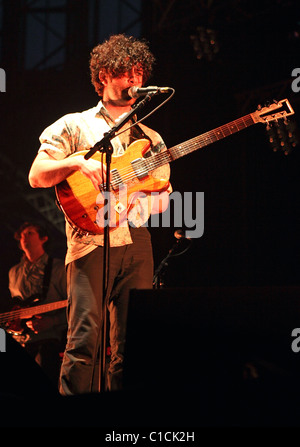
(44,239)
(102,77)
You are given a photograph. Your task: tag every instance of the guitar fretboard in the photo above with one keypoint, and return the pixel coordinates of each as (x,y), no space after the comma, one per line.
(31,311)
(198,142)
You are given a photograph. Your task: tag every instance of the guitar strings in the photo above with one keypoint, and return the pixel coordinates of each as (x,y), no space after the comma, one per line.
(171,154)
(14,314)
(179,150)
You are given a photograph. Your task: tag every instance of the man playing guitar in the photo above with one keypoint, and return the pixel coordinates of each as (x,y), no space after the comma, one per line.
(38,280)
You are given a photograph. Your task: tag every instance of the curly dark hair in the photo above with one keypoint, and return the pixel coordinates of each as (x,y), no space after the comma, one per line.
(118,55)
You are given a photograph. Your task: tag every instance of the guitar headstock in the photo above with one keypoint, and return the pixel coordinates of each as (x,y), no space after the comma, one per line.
(273,112)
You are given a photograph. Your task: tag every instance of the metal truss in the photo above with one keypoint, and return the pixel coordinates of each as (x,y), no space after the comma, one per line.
(178,19)
(43,34)
(47,35)
(17,196)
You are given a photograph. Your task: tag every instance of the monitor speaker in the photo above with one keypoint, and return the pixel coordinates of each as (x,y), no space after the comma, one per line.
(210,336)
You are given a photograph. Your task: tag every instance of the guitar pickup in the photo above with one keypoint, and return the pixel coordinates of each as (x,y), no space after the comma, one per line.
(139,168)
(116,180)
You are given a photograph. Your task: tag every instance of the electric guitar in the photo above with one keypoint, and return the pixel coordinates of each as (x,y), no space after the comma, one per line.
(131,175)
(12,320)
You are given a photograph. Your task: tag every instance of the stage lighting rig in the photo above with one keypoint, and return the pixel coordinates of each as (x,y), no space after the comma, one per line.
(283,135)
(205,43)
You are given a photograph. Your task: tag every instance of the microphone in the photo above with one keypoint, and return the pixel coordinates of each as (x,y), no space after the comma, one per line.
(136,92)
(181,234)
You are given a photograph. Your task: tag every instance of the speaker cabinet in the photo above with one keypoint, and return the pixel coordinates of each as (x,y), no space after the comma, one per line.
(211,336)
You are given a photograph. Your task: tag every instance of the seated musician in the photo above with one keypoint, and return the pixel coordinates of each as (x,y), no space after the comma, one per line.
(39,280)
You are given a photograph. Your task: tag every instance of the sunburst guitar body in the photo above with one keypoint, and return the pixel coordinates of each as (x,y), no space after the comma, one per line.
(86,209)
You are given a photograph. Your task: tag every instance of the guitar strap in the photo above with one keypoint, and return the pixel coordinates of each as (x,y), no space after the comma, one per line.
(137,133)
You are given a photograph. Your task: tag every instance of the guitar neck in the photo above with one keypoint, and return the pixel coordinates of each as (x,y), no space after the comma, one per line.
(200,141)
(31,311)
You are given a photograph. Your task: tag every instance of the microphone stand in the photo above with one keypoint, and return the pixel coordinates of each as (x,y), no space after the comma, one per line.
(164,262)
(162,265)
(104,146)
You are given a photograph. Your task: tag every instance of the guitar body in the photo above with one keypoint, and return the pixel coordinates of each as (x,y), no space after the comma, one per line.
(85,208)
(17,326)
(19,330)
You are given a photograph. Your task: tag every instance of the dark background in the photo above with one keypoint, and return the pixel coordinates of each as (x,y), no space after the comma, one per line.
(251,234)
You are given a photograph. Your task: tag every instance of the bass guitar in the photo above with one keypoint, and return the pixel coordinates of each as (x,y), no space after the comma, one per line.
(132,174)
(12,320)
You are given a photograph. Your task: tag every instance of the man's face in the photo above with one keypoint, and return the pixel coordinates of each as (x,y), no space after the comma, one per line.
(116,89)
(30,239)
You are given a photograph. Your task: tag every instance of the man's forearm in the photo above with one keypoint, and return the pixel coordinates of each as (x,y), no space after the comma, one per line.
(46,173)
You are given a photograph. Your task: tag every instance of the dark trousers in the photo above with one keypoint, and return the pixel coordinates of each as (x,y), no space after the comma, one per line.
(130,267)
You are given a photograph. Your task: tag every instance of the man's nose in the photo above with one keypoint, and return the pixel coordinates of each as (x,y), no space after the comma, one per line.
(134,78)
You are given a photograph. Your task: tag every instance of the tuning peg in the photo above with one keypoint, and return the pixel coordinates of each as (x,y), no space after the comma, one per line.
(259,107)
